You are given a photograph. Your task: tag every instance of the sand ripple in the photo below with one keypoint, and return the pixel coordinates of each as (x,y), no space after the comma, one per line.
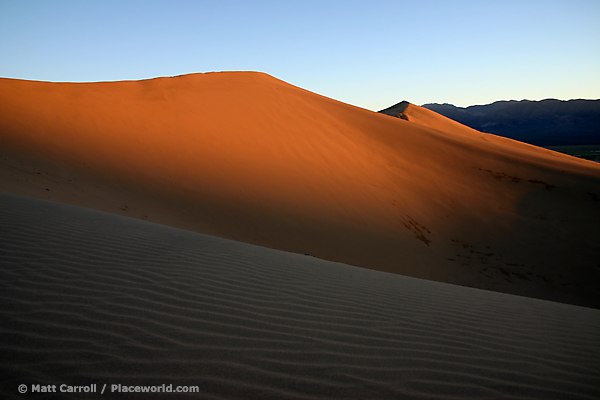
(90,297)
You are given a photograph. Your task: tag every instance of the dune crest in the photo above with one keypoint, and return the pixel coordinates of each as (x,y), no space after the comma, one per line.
(249,157)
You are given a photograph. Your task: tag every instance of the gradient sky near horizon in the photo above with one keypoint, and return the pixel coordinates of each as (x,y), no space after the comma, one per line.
(371,54)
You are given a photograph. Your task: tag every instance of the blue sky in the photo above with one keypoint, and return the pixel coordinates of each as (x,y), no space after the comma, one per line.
(370,54)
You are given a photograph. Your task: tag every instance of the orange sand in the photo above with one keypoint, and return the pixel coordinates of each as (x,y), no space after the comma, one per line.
(245,156)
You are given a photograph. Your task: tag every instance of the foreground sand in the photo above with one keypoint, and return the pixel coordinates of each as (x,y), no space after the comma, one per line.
(248,157)
(94,298)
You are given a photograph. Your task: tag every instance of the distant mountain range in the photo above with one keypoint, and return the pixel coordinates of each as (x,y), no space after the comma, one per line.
(543,123)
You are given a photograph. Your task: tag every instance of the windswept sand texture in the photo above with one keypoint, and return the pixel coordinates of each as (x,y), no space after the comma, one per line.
(94,298)
(245,156)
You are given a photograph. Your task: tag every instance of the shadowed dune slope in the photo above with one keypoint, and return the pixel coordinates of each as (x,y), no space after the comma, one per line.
(245,156)
(90,297)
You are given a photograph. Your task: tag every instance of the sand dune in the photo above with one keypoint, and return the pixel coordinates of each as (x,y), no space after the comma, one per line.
(94,298)
(245,156)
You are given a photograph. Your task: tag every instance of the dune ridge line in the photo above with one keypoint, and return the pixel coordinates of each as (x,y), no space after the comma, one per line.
(248,157)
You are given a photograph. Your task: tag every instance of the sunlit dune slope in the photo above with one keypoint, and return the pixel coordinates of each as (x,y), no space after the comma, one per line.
(245,156)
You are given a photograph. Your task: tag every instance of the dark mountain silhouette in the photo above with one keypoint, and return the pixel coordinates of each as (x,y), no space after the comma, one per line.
(543,123)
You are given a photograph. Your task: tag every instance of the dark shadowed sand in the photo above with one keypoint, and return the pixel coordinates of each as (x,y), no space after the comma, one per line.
(90,297)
